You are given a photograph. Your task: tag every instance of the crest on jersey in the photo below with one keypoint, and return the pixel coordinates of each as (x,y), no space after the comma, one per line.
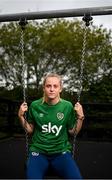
(60,116)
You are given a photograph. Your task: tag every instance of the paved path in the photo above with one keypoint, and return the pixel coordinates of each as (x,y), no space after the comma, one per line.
(93,158)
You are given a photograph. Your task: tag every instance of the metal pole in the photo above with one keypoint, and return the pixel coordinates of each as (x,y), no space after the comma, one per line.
(95,11)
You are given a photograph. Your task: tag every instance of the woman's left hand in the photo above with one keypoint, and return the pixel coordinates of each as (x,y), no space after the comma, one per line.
(79,110)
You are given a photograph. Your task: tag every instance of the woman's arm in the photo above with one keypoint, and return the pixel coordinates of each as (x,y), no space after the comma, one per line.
(29,127)
(80,117)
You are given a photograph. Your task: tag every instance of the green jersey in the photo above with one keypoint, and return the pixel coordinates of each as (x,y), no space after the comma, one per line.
(52,123)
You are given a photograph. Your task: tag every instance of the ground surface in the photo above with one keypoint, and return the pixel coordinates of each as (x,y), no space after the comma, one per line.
(94,159)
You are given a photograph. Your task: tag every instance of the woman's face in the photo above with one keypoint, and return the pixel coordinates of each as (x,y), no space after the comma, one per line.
(52,88)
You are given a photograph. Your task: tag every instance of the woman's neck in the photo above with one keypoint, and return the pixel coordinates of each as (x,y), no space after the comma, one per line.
(52,101)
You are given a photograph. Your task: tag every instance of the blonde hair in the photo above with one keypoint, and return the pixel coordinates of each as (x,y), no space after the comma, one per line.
(52,75)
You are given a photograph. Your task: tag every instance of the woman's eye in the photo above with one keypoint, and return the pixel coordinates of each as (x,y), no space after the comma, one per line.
(55,86)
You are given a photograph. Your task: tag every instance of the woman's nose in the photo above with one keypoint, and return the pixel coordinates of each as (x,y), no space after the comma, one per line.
(52,88)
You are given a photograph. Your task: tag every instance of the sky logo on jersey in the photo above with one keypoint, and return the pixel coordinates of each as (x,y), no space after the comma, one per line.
(51,129)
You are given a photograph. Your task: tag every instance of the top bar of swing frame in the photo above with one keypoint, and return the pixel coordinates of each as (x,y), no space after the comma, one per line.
(93,11)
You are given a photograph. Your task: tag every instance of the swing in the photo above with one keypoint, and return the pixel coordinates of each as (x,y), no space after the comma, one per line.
(23,23)
(87,18)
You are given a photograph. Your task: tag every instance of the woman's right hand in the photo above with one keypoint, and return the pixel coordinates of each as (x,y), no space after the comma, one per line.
(29,127)
(23,108)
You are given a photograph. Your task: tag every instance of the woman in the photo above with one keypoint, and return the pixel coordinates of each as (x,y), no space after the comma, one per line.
(50,120)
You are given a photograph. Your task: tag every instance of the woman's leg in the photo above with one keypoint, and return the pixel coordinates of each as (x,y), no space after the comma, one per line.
(66,166)
(37,165)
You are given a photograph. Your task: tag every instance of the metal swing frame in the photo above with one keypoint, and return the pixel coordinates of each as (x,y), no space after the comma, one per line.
(93,11)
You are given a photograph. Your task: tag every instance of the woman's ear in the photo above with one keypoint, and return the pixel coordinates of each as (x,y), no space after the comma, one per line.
(61,89)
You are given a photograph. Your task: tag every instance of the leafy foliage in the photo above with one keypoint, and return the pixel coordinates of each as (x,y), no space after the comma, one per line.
(56,46)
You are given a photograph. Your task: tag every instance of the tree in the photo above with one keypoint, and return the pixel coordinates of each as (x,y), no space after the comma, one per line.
(54,46)
(101,90)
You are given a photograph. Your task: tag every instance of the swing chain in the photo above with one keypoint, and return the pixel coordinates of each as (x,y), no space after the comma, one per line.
(87,18)
(82,63)
(23,64)
(80,82)
(22,23)
(74,143)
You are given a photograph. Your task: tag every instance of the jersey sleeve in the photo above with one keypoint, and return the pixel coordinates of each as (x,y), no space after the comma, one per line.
(72,119)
